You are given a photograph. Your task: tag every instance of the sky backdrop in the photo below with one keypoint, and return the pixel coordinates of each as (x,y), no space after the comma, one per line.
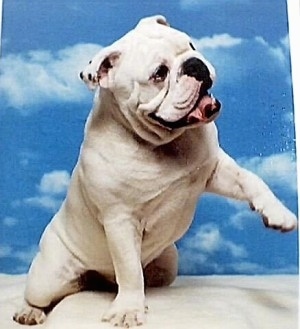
(44,105)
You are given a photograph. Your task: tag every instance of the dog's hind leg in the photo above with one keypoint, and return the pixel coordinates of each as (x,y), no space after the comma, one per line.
(53,275)
(162,271)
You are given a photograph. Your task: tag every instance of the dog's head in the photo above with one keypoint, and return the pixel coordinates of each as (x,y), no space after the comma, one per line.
(158,79)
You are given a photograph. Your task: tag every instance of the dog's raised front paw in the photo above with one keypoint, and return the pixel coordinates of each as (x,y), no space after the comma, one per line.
(124,314)
(29,315)
(275,215)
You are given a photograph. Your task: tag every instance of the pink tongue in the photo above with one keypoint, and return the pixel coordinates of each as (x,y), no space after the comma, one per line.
(206,110)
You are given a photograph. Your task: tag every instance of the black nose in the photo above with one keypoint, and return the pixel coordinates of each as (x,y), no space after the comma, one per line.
(194,67)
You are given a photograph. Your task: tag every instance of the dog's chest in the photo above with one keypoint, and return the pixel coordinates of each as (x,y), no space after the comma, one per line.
(159,188)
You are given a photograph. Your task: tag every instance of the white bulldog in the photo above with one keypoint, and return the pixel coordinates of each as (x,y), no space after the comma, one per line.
(150,150)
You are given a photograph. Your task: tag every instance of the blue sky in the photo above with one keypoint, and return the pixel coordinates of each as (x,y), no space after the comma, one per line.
(43,107)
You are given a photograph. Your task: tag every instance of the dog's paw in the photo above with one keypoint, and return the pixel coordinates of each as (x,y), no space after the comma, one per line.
(125,318)
(275,215)
(123,314)
(29,315)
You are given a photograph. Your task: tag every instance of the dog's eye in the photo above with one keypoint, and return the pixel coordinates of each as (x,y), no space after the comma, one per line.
(160,74)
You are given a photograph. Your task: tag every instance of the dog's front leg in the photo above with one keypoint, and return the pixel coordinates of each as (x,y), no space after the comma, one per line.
(124,241)
(231,180)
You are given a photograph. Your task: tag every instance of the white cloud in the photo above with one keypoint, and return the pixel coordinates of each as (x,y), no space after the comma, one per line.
(198,250)
(40,76)
(9,221)
(5,251)
(279,52)
(217,41)
(230,56)
(192,262)
(208,240)
(196,257)
(55,182)
(255,268)
(47,202)
(52,188)
(239,218)
(26,157)
(26,255)
(285,42)
(237,251)
(193,3)
(276,169)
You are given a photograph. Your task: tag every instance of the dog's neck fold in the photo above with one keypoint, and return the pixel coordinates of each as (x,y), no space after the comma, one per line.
(133,117)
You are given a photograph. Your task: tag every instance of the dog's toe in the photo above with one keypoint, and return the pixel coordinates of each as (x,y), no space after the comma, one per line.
(30,315)
(279,218)
(125,317)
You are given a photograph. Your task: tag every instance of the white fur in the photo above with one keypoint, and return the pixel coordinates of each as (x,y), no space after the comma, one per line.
(136,184)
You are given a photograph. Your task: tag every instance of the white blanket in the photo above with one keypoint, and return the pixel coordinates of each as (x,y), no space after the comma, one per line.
(211,302)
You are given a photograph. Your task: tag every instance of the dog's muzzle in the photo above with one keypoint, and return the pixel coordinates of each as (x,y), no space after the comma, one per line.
(203,107)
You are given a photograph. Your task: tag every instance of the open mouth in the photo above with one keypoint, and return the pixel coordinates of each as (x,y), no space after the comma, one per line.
(205,110)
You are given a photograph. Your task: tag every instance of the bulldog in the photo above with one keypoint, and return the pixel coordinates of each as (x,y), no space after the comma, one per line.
(150,150)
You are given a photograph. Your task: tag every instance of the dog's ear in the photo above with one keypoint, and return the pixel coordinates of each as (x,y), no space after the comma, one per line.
(109,62)
(97,72)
